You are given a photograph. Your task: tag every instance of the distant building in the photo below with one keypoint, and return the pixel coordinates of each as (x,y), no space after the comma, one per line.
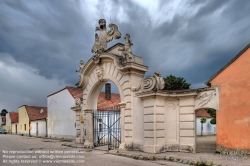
(233,116)
(208,128)
(32,120)
(11,122)
(3,122)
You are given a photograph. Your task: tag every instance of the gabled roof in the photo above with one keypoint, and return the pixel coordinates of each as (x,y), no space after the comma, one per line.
(75,92)
(104,104)
(14,117)
(202,114)
(36,113)
(229,63)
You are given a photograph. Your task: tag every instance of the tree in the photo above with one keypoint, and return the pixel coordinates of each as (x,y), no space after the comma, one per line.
(175,83)
(203,120)
(4,112)
(212,112)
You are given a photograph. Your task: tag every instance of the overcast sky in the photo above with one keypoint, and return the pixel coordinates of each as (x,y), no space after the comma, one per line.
(42,41)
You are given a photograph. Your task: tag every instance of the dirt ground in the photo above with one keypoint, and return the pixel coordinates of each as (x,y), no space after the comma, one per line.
(206,144)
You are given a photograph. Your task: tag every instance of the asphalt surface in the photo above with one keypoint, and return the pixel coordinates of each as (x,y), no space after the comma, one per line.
(16,150)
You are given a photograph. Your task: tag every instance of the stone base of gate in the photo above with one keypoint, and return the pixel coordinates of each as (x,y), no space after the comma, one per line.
(88,144)
(79,141)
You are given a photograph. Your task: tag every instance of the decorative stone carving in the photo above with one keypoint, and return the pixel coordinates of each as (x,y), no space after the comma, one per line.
(102,40)
(205,98)
(99,72)
(127,50)
(155,82)
(78,101)
(96,58)
(81,66)
(172,106)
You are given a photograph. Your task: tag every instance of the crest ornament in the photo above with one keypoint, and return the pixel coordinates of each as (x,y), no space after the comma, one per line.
(155,82)
(99,72)
(127,50)
(102,40)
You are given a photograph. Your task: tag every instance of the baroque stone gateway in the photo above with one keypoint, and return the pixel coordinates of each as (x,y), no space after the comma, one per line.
(152,120)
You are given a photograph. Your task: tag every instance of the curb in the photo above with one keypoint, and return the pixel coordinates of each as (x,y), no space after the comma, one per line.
(166,158)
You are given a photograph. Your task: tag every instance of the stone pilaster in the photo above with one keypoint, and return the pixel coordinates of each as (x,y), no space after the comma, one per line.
(154,132)
(88,119)
(187,124)
(122,109)
(77,110)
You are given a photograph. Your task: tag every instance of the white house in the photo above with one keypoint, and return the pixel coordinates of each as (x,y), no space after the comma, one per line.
(208,128)
(61,119)
(38,121)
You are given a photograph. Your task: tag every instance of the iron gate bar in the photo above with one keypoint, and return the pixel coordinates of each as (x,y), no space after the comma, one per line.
(107,129)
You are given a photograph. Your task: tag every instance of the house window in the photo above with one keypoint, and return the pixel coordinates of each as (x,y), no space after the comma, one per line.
(24,127)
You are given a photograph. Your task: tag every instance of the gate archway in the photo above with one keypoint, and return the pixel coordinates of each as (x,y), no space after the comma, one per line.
(104,67)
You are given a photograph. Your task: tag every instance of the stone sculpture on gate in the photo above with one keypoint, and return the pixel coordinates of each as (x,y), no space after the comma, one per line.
(102,40)
(127,50)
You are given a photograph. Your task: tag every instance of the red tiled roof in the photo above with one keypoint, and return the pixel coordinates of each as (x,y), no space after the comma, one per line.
(14,117)
(35,113)
(75,92)
(202,114)
(104,104)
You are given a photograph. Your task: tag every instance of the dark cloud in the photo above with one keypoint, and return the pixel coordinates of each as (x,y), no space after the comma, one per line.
(46,39)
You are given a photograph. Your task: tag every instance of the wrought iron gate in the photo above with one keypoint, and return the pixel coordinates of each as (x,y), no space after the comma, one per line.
(107,130)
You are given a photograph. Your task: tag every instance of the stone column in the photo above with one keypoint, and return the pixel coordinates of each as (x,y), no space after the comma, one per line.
(77,110)
(122,109)
(187,124)
(89,128)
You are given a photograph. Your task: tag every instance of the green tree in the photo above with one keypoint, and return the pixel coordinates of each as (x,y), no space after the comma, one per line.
(175,83)
(212,112)
(4,112)
(203,120)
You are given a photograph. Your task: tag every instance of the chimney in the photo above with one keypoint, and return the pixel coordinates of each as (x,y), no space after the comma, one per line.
(108,91)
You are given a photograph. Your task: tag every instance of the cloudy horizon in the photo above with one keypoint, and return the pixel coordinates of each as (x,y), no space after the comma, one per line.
(42,42)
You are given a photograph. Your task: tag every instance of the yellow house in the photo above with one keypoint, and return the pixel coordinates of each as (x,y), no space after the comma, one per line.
(23,120)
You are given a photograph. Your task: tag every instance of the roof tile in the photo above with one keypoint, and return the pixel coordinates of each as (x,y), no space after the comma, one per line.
(35,112)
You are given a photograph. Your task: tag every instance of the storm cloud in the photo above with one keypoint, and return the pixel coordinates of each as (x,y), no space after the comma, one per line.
(41,42)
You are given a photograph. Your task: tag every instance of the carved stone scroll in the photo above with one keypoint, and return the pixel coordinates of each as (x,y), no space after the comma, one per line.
(150,83)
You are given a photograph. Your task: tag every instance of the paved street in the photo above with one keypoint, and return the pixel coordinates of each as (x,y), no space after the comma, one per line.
(25,147)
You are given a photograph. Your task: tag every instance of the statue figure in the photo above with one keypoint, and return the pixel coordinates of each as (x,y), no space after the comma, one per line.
(81,66)
(102,40)
(127,50)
